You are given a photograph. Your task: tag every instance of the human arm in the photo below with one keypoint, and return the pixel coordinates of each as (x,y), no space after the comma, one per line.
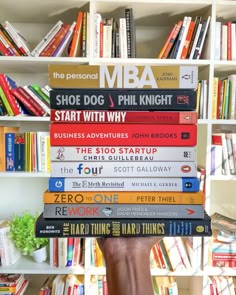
(128,264)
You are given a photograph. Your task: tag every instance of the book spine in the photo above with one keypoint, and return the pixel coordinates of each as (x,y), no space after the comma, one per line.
(6,102)
(55,41)
(123,38)
(114,169)
(19,149)
(122,76)
(75,43)
(123,134)
(43,43)
(125,153)
(185,184)
(94,116)
(10,151)
(12,101)
(124,197)
(120,99)
(122,211)
(121,227)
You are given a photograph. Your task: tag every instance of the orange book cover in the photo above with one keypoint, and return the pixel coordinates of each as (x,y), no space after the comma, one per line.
(122,197)
(172,40)
(187,40)
(56,40)
(75,43)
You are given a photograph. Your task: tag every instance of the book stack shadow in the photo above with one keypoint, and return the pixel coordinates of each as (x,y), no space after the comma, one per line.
(123,163)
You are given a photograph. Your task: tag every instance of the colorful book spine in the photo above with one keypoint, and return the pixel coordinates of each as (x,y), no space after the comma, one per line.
(109,116)
(19,148)
(122,153)
(119,169)
(10,151)
(123,99)
(11,99)
(123,197)
(79,227)
(123,134)
(169,184)
(123,211)
(122,76)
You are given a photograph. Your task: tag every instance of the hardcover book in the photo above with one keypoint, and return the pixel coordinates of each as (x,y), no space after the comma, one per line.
(185,184)
(122,76)
(90,227)
(123,211)
(123,134)
(122,153)
(123,197)
(123,169)
(109,116)
(123,99)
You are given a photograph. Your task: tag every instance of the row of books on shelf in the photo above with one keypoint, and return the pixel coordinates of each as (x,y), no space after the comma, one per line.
(24,151)
(113,38)
(225,40)
(63,285)
(186,38)
(223,154)
(66,252)
(223,99)
(23,100)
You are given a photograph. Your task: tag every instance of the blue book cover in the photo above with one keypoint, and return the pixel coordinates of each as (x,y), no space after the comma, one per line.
(10,151)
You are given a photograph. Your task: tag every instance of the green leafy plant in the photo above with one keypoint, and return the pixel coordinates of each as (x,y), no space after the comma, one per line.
(22,233)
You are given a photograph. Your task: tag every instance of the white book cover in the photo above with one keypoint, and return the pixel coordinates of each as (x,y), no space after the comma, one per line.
(97,21)
(195,41)
(123,38)
(186,23)
(217,47)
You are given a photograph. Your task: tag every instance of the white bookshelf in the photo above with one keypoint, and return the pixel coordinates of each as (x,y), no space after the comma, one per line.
(154,19)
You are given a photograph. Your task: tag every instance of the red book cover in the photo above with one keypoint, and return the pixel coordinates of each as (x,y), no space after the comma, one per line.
(123,134)
(31,100)
(25,102)
(107,116)
(167,42)
(75,43)
(10,97)
(229,40)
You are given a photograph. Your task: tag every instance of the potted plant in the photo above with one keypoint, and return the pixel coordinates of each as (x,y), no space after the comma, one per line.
(22,233)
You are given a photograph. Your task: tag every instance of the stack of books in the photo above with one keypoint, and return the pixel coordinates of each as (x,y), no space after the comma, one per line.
(119,171)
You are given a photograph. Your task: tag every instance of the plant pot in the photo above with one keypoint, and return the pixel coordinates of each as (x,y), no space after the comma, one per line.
(40,255)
